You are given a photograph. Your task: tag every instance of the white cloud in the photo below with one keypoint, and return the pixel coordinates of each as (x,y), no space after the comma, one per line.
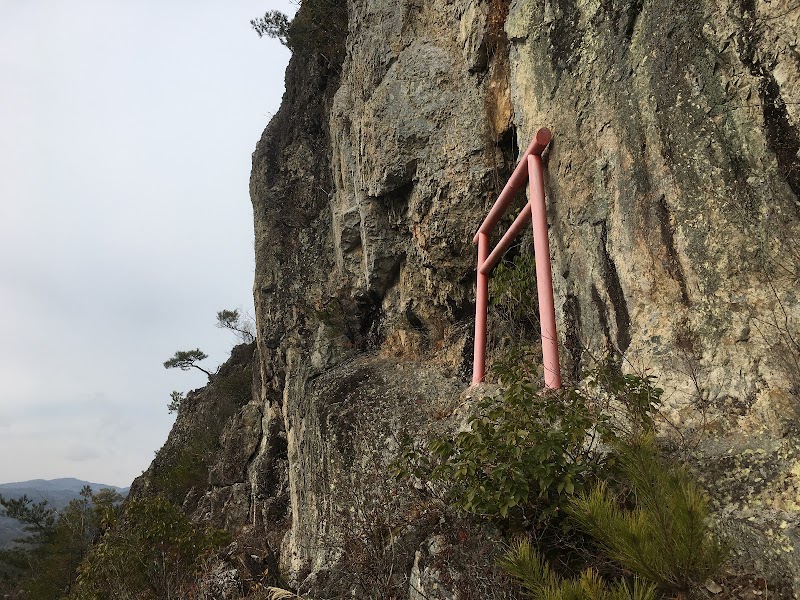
(125,221)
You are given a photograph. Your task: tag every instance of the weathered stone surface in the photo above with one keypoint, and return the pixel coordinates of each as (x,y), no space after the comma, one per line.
(365,188)
(344,433)
(673,183)
(755,482)
(411,153)
(673,202)
(669,211)
(221,584)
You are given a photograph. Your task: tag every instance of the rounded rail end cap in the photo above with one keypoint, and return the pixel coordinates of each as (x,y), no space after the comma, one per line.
(543,136)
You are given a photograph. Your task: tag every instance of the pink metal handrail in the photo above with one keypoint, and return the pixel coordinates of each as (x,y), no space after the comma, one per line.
(529,169)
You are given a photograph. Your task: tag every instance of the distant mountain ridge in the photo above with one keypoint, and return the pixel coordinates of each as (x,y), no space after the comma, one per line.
(62,484)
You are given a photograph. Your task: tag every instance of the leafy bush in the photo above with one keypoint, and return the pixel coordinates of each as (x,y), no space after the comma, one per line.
(536,576)
(529,450)
(666,537)
(186,467)
(154,551)
(513,293)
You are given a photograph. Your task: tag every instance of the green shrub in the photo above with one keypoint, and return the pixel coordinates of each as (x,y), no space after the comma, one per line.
(665,537)
(530,450)
(636,398)
(186,467)
(513,294)
(237,388)
(542,583)
(155,551)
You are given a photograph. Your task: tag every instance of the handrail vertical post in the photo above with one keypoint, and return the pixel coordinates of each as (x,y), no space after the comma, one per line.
(544,275)
(481,310)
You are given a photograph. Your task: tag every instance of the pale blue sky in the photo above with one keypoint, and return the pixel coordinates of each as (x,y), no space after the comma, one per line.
(126,131)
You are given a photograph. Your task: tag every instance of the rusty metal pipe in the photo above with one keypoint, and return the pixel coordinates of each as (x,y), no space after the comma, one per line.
(481,310)
(544,276)
(515,182)
(523,218)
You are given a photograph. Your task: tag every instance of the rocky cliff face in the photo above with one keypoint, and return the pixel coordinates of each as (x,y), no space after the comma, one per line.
(673,185)
(674,204)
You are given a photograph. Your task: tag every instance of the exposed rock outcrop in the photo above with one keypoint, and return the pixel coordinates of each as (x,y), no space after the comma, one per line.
(673,188)
(673,185)
(674,204)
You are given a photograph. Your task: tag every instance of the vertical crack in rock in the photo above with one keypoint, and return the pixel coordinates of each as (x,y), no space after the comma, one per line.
(633,15)
(602,314)
(270,463)
(615,293)
(572,333)
(783,140)
(674,267)
(369,314)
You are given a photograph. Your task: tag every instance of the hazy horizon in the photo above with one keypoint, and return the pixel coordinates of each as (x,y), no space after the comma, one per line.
(51,482)
(125,219)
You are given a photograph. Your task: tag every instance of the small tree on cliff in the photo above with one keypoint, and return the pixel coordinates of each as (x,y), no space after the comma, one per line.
(319,27)
(187,359)
(242,327)
(274,24)
(176,398)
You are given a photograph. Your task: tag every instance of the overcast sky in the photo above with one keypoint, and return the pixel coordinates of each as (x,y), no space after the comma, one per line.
(126,133)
